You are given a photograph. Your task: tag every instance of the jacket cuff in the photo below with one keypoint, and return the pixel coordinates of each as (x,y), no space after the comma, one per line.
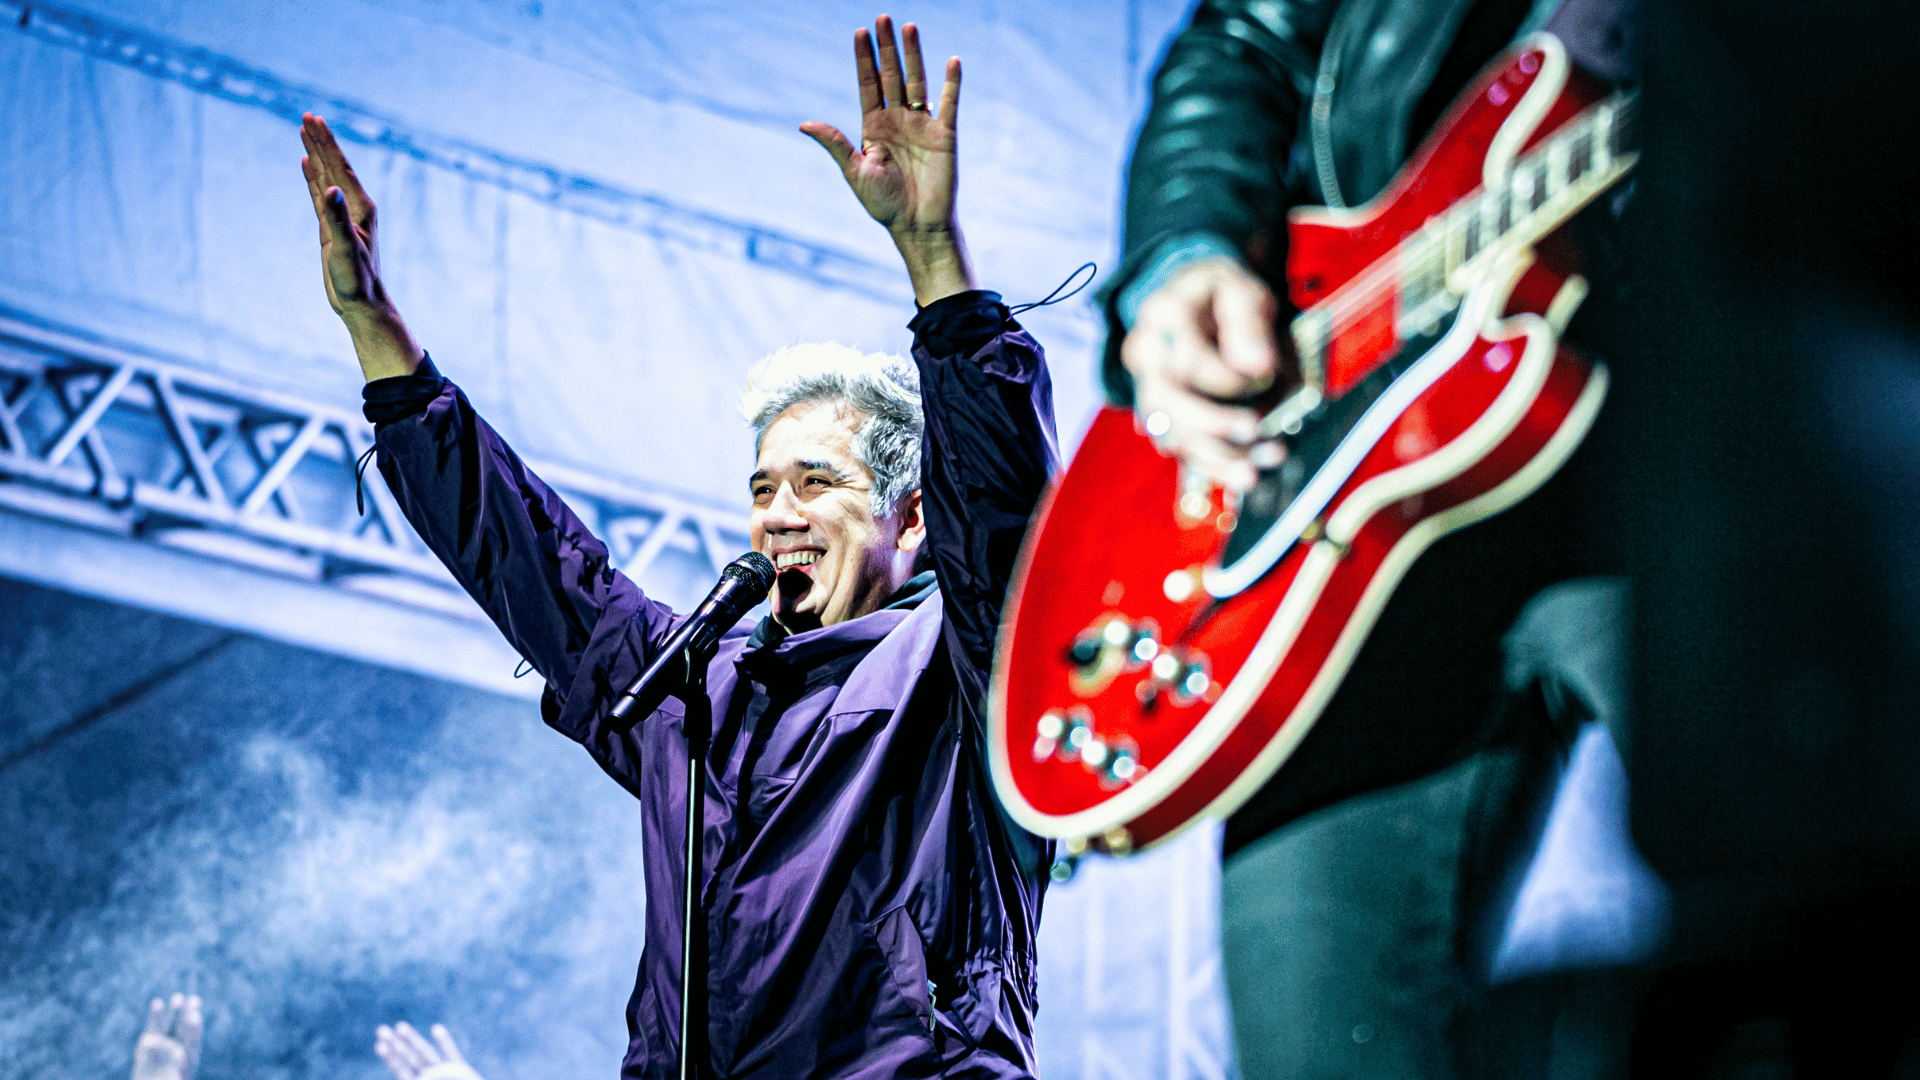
(1169,258)
(1136,279)
(961,324)
(394,399)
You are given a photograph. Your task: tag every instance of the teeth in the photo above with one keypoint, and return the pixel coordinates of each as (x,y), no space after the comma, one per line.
(795,558)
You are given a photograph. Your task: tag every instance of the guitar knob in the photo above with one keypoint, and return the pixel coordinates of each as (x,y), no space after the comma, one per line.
(1136,643)
(1070,735)
(1047,732)
(1094,753)
(1117,763)
(1194,682)
(1145,650)
(1079,734)
(1123,766)
(1167,667)
(1108,647)
(1085,651)
(1185,676)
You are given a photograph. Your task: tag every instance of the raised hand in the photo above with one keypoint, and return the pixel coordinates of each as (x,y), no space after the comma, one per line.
(904,171)
(169,1047)
(412,1057)
(350,256)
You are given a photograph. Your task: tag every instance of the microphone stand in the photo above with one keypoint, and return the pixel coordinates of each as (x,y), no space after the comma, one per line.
(744,581)
(698,726)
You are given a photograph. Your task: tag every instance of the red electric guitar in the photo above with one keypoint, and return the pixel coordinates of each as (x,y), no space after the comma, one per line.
(1168,646)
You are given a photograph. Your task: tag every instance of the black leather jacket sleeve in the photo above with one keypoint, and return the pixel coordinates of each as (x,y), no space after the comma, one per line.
(1212,153)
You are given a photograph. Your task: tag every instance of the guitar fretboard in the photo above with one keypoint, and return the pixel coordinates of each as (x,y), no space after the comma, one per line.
(1429,270)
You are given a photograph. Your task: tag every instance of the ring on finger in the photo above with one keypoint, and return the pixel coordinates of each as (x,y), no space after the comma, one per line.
(917,106)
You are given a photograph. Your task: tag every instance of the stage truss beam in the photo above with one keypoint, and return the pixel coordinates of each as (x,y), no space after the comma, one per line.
(158,453)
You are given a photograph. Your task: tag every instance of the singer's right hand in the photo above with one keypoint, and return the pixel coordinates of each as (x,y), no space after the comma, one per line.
(904,171)
(350,257)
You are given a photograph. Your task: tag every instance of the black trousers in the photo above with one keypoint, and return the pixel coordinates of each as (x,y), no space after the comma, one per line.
(1359,938)
(1347,935)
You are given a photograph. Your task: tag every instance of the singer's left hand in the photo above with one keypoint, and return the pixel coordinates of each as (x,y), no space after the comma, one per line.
(904,171)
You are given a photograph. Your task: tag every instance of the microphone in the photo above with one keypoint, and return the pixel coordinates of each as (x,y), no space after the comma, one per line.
(743,584)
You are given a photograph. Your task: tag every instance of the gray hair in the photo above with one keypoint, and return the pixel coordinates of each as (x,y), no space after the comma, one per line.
(883,389)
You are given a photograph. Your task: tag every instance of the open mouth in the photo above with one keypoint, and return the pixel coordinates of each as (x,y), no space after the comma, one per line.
(796,559)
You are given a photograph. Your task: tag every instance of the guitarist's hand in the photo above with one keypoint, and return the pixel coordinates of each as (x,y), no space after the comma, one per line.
(1199,342)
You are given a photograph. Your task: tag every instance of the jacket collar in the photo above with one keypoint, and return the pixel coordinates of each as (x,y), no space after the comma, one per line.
(770,643)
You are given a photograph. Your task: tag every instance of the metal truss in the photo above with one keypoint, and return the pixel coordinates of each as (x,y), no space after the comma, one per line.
(226,78)
(107,439)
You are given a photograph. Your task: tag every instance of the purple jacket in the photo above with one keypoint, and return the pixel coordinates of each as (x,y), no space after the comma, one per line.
(870,911)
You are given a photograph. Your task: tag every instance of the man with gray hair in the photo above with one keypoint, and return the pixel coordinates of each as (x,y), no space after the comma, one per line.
(869,911)
(879,396)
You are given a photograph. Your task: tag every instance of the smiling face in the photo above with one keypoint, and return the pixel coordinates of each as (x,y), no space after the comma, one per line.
(813,516)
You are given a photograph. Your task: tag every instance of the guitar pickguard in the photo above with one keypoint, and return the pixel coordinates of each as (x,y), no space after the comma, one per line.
(1286,500)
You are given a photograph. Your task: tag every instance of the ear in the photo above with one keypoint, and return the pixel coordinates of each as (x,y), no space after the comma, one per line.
(913,523)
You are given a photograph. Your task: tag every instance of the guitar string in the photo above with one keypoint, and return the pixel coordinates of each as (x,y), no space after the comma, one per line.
(1367,286)
(1358,296)
(1340,308)
(1361,292)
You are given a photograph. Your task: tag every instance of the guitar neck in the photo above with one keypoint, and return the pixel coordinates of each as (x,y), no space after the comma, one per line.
(1433,267)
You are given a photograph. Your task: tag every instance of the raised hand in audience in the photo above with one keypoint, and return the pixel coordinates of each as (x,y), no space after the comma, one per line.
(169,1046)
(412,1057)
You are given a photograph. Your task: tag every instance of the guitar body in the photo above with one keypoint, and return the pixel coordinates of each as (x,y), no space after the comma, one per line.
(1138,687)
